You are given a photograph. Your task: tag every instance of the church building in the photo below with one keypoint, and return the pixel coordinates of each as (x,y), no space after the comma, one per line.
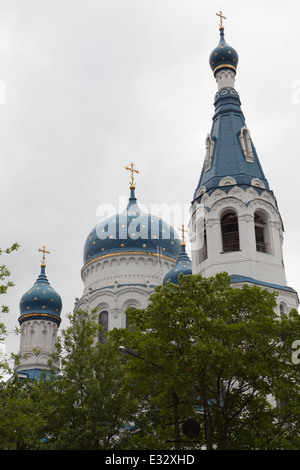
(235,226)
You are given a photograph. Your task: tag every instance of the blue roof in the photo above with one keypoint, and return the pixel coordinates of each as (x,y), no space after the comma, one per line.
(132,231)
(30,373)
(228,157)
(236,278)
(41,300)
(182,266)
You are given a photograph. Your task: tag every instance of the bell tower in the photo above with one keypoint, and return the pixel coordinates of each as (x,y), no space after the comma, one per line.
(235,222)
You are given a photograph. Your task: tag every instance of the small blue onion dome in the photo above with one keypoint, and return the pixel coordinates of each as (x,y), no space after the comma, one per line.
(183,266)
(132,231)
(223,56)
(41,301)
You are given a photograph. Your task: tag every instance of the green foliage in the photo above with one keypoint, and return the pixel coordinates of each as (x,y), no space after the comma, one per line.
(200,350)
(89,403)
(4,285)
(21,416)
(215,353)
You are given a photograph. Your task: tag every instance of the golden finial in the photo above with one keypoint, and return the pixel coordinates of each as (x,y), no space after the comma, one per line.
(182,230)
(221,19)
(44,251)
(132,170)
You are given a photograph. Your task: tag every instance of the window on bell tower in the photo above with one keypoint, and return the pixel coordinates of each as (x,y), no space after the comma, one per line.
(230,232)
(262,236)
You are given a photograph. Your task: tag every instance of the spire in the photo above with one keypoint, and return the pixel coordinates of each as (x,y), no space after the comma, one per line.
(132,170)
(223,57)
(182,231)
(182,266)
(221,19)
(231,158)
(132,199)
(44,251)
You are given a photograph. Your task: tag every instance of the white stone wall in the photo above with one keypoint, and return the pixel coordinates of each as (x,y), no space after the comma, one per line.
(37,343)
(266,267)
(119,281)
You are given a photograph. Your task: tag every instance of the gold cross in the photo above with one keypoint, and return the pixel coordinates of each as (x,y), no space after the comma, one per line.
(132,170)
(44,251)
(182,230)
(221,18)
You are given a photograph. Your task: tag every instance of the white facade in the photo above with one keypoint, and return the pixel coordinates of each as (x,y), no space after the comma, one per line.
(258,251)
(37,343)
(118,281)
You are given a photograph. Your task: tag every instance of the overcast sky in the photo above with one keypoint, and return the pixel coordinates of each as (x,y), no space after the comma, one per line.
(87,86)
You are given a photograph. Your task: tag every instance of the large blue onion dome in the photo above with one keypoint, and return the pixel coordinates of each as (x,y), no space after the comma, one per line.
(223,56)
(132,231)
(183,266)
(41,301)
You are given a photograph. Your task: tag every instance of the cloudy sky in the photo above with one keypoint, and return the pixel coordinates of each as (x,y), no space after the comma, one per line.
(87,86)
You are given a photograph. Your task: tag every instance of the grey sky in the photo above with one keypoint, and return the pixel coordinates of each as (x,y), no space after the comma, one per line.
(91,85)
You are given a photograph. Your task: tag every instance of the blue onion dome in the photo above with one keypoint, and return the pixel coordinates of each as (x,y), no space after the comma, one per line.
(132,231)
(223,56)
(183,266)
(41,301)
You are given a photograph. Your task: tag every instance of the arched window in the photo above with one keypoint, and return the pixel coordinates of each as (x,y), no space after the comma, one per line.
(230,232)
(261,233)
(282,309)
(128,324)
(103,320)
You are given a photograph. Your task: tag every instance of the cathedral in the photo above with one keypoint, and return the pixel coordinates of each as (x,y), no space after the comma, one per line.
(235,226)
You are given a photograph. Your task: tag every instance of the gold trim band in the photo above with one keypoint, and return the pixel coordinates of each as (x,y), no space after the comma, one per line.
(225,66)
(39,315)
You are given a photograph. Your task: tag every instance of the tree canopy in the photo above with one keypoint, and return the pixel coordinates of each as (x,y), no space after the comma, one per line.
(206,366)
(220,355)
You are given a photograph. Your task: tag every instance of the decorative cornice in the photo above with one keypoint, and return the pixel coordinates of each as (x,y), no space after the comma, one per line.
(109,255)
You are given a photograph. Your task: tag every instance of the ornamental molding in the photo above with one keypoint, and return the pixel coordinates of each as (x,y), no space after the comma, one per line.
(245,141)
(209,147)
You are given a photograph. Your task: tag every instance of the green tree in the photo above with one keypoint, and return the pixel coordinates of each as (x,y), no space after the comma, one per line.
(88,404)
(220,355)
(5,283)
(21,416)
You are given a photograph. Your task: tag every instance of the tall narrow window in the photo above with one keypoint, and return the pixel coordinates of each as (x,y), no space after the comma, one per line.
(103,320)
(282,309)
(128,324)
(262,236)
(230,232)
